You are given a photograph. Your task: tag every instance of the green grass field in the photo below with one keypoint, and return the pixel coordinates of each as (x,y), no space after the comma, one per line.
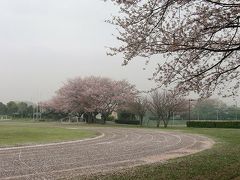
(16,134)
(220,163)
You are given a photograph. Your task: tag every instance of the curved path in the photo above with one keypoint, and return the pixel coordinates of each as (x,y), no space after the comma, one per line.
(115,148)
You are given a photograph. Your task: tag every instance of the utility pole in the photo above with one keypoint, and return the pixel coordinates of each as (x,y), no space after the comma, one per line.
(33,112)
(236,113)
(189,109)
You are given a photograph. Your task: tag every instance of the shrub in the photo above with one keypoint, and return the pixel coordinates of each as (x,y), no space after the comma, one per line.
(110,118)
(124,114)
(214,124)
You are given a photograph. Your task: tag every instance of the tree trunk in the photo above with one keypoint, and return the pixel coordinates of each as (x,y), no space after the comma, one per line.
(91,118)
(165,124)
(104,116)
(85,118)
(88,118)
(158,123)
(141,120)
(167,119)
(148,122)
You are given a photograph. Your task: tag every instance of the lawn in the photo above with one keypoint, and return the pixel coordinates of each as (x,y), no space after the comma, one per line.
(16,134)
(221,162)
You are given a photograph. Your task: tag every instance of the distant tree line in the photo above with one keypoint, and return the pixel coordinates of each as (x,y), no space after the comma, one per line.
(16,109)
(162,106)
(214,109)
(98,99)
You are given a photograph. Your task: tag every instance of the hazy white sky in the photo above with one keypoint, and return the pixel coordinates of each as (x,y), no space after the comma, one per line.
(45,42)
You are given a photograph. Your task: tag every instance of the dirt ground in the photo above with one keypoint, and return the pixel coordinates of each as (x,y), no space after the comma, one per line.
(115,149)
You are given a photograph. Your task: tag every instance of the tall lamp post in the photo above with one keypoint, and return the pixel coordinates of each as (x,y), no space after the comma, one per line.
(236,111)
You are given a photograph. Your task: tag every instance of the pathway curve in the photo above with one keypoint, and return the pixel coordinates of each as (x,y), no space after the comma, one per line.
(115,148)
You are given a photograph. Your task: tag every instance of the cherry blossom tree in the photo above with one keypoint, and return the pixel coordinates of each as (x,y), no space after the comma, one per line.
(163,104)
(199,41)
(92,95)
(54,107)
(116,96)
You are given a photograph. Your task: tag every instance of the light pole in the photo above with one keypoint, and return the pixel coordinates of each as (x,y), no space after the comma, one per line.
(236,111)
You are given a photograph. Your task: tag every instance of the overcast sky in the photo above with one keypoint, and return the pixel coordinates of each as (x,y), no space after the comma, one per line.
(45,42)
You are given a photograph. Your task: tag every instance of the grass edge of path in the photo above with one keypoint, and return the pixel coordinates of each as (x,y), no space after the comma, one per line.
(15,135)
(222,161)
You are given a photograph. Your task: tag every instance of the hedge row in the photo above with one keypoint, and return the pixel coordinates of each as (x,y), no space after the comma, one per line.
(214,124)
(124,121)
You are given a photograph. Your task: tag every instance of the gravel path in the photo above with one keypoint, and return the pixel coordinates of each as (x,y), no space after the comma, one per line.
(116,148)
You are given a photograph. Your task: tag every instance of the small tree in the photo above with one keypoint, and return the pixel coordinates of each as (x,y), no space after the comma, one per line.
(12,108)
(3,109)
(163,104)
(139,107)
(22,109)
